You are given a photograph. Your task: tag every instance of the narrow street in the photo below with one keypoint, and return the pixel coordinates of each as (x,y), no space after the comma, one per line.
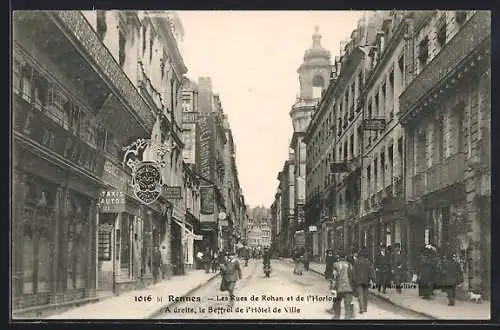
(272,294)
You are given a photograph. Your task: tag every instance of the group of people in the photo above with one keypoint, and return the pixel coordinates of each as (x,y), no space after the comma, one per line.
(210,260)
(352,275)
(435,272)
(349,276)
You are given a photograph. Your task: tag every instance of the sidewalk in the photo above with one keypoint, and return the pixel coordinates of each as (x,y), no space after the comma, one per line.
(125,305)
(436,308)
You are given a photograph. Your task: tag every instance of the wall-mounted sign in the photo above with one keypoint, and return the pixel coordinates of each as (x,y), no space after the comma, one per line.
(189,117)
(173,192)
(43,130)
(313,228)
(224,223)
(147,182)
(204,146)
(112,201)
(207,200)
(374,124)
(198,237)
(339,168)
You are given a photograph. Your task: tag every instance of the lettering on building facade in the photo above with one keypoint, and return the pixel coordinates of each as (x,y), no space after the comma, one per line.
(43,130)
(204,145)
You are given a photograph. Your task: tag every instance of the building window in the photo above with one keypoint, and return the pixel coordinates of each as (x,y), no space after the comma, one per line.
(151,42)
(441,31)
(423,51)
(101,24)
(144,41)
(401,67)
(121,49)
(460,17)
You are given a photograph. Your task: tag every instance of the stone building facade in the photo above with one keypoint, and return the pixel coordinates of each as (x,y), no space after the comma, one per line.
(446,112)
(382,194)
(86,84)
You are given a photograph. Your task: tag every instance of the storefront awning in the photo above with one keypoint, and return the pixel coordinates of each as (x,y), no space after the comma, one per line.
(188,232)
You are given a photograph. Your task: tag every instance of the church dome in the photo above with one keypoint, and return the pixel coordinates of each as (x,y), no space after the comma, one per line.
(316,51)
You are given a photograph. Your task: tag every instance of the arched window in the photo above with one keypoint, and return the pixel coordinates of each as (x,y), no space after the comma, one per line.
(318,84)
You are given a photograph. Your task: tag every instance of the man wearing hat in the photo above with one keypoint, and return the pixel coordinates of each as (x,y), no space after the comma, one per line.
(341,287)
(231,273)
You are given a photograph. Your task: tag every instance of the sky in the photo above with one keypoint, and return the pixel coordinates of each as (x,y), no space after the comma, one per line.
(252,58)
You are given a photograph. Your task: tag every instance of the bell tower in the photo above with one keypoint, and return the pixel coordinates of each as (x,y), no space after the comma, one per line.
(314,72)
(314,75)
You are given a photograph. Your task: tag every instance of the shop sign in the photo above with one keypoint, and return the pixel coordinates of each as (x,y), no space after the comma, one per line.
(374,124)
(173,192)
(42,129)
(204,146)
(313,228)
(112,201)
(207,200)
(147,182)
(189,117)
(339,167)
(198,237)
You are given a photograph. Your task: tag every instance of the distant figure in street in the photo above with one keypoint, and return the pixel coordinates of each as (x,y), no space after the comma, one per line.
(341,287)
(451,277)
(398,270)
(246,255)
(207,260)
(364,273)
(307,256)
(299,262)
(329,261)
(426,271)
(215,262)
(383,270)
(231,273)
(157,263)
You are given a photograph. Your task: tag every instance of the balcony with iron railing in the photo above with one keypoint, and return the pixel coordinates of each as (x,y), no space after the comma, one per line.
(147,89)
(88,135)
(439,176)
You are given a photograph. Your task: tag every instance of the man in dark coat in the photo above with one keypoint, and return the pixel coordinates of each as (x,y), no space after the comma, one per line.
(231,273)
(156,264)
(383,270)
(426,275)
(398,267)
(363,274)
(452,276)
(341,287)
(329,261)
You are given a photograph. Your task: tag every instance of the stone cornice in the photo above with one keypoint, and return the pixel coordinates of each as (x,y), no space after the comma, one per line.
(161,25)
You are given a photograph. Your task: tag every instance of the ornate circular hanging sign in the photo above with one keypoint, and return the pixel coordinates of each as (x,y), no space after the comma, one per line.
(147,181)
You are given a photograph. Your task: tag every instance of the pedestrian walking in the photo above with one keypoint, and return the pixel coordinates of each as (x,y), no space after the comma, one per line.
(307,256)
(364,274)
(451,277)
(231,273)
(157,263)
(341,287)
(426,275)
(329,261)
(383,270)
(215,262)
(299,262)
(398,269)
